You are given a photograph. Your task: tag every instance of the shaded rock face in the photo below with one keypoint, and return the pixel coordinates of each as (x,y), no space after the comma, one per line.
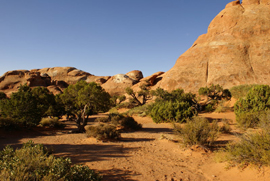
(235,50)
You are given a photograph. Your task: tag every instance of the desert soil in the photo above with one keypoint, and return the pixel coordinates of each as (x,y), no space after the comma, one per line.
(148,155)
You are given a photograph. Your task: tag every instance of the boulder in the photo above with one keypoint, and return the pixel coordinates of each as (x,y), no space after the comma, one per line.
(235,50)
(135,75)
(118,83)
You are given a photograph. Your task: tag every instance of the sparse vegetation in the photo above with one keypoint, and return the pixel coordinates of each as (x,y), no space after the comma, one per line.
(33,162)
(198,131)
(252,149)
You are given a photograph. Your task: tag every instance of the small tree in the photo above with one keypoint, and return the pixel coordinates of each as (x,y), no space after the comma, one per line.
(139,98)
(22,106)
(214,94)
(83,99)
(116,100)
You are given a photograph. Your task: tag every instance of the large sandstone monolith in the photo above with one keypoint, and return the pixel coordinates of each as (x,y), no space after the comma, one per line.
(235,50)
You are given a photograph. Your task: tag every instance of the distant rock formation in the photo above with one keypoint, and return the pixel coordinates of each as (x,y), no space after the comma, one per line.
(55,79)
(235,50)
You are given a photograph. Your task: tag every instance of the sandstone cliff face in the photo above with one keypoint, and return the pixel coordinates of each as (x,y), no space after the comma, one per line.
(235,50)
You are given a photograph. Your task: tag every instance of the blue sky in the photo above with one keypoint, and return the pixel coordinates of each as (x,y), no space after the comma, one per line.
(102,37)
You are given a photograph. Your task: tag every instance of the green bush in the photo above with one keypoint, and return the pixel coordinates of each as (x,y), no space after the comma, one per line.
(32,162)
(104,132)
(168,111)
(248,120)
(256,102)
(127,123)
(252,149)
(51,122)
(198,131)
(241,91)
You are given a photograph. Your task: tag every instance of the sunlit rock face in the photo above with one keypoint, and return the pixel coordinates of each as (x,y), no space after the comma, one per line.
(234,51)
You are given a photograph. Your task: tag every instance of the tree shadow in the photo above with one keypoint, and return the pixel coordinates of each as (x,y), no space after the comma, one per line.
(157,130)
(118,175)
(13,137)
(89,153)
(136,139)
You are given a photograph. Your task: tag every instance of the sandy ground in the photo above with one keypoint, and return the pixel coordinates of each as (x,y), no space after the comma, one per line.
(147,155)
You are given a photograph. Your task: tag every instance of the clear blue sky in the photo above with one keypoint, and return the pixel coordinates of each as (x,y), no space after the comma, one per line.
(102,37)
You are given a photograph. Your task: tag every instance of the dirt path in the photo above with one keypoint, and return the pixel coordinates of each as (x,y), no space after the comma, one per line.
(147,155)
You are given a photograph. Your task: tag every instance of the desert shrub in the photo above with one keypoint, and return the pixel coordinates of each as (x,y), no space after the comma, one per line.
(9,123)
(102,119)
(225,128)
(142,111)
(126,122)
(103,132)
(169,111)
(32,162)
(248,120)
(252,149)
(198,131)
(256,102)
(127,105)
(209,108)
(51,122)
(117,99)
(241,91)
(222,107)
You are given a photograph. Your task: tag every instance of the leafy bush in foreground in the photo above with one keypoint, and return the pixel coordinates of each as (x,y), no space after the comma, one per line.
(253,149)
(32,163)
(198,131)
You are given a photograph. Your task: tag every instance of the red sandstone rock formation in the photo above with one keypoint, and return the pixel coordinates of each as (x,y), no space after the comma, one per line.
(235,50)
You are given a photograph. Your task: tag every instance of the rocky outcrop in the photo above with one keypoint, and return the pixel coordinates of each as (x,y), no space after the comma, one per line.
(235,50)
(135,75)
(55,79)
(118,83)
